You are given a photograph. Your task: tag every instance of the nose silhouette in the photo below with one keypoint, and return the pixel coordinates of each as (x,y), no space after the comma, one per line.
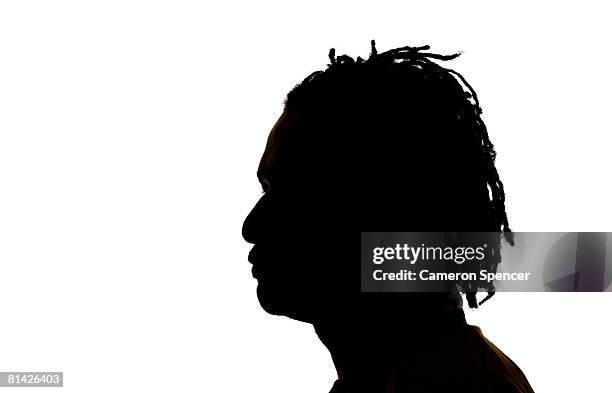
(250,226)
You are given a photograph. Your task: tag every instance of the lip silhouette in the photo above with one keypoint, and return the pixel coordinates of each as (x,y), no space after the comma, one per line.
(252,260)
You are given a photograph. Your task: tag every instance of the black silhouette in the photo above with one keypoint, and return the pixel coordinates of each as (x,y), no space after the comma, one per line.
(391,143)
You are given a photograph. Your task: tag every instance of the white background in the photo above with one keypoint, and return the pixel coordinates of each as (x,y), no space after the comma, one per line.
(130,132)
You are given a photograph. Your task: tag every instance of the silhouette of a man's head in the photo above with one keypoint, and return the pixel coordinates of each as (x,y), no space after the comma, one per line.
(391,143)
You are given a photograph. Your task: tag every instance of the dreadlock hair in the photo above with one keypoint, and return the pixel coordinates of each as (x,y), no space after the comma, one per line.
(426,120)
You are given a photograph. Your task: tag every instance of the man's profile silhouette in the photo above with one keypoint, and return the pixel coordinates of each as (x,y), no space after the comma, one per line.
(391,143)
